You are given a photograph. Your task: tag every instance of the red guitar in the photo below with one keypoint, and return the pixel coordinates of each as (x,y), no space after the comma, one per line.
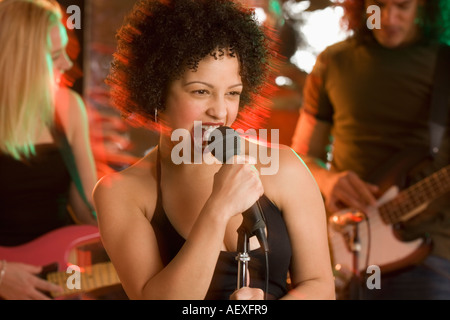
(62,246)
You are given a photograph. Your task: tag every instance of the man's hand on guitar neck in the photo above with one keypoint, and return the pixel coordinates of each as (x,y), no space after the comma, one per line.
(22,282)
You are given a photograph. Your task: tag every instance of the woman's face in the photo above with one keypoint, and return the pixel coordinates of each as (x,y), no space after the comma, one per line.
(210,95)
(58,43)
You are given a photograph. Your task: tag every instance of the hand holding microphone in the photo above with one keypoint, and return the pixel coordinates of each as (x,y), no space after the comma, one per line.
(224,145)
(236,187)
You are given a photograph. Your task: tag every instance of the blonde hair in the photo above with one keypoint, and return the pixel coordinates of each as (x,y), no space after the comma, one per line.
(26,73)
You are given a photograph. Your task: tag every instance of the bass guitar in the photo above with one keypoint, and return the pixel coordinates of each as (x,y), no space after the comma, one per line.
(358,240)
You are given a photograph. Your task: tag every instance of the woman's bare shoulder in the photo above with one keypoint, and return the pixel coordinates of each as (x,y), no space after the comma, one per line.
(282,170)
(274,159)
(135,186)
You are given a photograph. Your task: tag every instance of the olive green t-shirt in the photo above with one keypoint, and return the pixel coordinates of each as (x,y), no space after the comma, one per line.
(378,102)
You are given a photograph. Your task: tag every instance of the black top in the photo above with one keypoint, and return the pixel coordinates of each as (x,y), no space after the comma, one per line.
(33,195)
(224,280)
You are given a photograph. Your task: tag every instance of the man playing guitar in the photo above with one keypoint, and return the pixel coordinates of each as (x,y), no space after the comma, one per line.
(369,98)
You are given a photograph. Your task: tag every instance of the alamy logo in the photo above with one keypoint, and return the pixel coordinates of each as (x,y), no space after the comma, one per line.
(74,20)
(374,280)
(374,20)
(74,280)
(202,135)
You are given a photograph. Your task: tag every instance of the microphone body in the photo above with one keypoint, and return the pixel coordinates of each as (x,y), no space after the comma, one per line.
(253,224)
(225,145)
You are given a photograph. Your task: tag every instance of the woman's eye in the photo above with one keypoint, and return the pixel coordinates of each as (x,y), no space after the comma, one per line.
(201,91)
(234,93)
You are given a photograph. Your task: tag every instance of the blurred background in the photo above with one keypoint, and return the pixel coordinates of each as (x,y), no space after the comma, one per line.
(304,27)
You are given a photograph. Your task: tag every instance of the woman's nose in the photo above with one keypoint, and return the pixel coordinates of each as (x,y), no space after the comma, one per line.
(217,109)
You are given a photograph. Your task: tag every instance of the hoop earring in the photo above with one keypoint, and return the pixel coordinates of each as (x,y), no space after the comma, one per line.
(156,115)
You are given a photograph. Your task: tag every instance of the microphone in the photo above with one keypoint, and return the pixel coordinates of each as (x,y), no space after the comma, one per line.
(224,143)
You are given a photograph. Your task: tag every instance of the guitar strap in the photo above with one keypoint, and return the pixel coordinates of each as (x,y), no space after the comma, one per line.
(440,99)
(65,149)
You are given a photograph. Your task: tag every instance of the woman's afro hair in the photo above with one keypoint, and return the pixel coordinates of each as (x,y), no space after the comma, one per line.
(160,40)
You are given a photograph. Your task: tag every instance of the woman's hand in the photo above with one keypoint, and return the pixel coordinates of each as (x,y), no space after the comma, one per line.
(237,186)
(247,293)
(20,282)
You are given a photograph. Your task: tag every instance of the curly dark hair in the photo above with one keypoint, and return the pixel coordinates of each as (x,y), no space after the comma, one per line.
(160,39)
(434,20)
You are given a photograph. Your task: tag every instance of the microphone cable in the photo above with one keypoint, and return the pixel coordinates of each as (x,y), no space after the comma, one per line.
(266,254)
(266,284)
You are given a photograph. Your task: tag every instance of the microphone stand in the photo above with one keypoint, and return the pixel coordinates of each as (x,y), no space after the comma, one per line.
(242,257)
(252,225)
(355,246)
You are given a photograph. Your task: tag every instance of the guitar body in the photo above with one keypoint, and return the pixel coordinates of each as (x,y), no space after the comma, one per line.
(78,245)
(54,246)
(377,242)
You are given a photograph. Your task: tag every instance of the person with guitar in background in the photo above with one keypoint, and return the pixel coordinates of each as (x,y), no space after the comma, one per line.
(35,185)
(375,121)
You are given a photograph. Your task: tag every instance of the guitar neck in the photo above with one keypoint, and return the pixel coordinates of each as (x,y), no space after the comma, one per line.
(407,202)
(93,277)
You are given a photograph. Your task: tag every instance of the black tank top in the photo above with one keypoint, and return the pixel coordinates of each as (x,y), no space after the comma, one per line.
(224,280)
(33,195)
